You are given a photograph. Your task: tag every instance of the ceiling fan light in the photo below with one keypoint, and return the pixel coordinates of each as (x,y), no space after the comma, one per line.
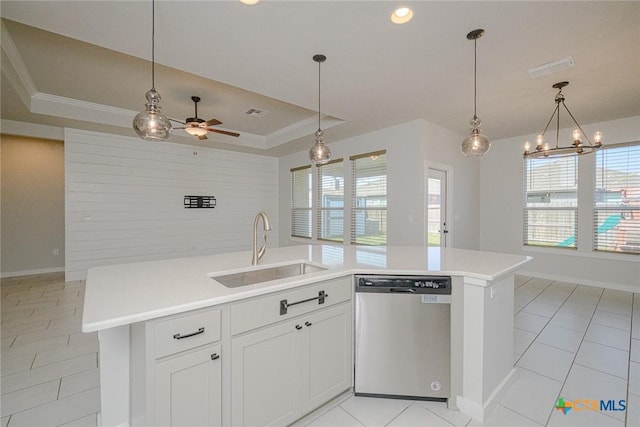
(151,124)
(250,2)
(195,130)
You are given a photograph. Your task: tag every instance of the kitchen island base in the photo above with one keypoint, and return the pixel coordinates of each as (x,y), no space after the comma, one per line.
(252,362)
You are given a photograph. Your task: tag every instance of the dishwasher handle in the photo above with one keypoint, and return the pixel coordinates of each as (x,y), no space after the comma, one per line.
(402,291)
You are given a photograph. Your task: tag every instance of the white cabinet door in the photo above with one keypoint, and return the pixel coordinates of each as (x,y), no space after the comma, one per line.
(189,389)
(284,371)
(327,365)
(266,380)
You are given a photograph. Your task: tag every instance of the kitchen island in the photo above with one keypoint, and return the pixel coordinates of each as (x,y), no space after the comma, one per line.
(132,305)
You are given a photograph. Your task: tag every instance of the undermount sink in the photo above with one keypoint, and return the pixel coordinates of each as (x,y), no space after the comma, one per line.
(266,274)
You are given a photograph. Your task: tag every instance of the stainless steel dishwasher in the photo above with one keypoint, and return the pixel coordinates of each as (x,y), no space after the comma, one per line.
(403,336)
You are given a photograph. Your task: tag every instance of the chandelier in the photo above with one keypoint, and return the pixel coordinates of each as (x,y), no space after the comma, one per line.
(578,146)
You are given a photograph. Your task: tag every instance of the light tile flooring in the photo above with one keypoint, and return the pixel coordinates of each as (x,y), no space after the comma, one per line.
(574,341)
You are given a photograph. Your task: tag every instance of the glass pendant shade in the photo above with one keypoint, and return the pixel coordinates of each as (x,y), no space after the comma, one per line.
(476,144)
(319,153)
(151,124)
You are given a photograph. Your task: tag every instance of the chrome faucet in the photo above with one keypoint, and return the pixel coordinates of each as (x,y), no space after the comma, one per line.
(258,253)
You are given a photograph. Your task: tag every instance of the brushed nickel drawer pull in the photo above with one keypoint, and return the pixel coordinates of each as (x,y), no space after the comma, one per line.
(198,332)
(284,305)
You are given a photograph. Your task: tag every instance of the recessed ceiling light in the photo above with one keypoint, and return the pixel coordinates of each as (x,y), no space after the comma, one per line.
(401,15)
(250,2)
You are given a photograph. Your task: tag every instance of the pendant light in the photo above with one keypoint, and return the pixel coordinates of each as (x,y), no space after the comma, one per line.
(577,146)
(476,144)
(319,153)
(151,124)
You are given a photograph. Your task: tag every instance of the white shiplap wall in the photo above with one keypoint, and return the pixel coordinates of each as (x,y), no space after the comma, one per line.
(124,200)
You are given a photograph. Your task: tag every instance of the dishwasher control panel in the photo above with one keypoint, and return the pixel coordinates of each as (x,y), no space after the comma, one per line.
(403,284)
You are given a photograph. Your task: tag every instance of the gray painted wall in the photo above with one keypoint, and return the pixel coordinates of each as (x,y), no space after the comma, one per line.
(32,225)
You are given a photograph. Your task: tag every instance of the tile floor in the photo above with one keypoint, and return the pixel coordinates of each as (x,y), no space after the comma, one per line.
(574,341)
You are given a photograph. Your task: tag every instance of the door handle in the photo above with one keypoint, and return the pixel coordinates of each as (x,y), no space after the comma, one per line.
(284,304)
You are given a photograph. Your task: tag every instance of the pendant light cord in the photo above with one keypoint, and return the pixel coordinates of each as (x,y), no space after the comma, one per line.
(153,45)
(319,95)
(475,76)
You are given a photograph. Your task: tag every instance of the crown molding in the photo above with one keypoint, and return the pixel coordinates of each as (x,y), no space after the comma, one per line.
(37,102)
(11,127)
(69,108)
(15,69)
(299,129)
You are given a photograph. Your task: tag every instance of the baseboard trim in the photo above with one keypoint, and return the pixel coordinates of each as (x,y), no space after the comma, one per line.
(6,274)
(482,411)
(588,282)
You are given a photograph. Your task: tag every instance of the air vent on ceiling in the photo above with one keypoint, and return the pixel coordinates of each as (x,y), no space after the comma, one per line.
(552,67)
(256,112)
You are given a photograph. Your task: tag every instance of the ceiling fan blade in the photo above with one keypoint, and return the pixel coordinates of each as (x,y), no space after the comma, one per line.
(212,122)
(224,132)
(201,137)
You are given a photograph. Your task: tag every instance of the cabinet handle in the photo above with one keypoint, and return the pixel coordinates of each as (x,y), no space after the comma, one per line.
(308,323)
(298,327)
(284,305)
(215,356)
(198,332)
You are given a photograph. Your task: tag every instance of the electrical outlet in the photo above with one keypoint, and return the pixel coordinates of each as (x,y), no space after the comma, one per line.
(56,251)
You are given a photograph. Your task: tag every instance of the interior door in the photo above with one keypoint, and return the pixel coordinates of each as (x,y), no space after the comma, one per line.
(437,208)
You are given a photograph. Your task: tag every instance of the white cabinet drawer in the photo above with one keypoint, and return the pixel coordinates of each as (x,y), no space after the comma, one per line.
(185,332)
(263,311)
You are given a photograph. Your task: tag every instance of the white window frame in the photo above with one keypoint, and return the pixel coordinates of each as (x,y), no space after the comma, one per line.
(551,235)
(335,167)
(297,207)
(616,224)
(355,209)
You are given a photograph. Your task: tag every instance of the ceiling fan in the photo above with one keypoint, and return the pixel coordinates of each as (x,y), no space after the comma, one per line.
(198,127)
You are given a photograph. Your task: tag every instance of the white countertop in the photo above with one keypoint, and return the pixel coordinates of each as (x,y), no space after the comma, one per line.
(123,294)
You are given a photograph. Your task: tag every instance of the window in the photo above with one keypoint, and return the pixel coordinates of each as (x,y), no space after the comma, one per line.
(369,199)
(330,204)
(616,202)
(551,202)
(301,202)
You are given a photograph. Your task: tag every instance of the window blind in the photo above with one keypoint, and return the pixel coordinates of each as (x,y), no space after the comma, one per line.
(301,202)
(616,204)
(330,203)
(369,199)
(551,202)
